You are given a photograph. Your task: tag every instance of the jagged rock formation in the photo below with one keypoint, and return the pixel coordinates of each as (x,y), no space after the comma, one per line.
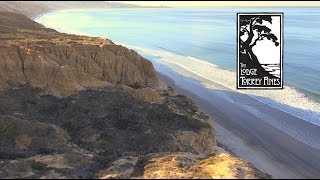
(83,107)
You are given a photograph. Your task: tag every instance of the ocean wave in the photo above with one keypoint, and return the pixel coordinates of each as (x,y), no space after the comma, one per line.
(288,99)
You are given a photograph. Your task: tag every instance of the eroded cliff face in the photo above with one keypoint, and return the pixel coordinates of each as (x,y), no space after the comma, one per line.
(82,107)
(64,64)
(65,69)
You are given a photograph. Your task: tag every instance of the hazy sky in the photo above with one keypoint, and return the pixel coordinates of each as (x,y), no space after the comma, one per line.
(222,3)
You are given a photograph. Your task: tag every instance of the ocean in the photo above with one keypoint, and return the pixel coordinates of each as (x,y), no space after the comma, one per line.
(203,41)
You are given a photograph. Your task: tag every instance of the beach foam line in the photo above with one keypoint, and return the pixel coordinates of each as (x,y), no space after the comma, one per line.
(288,100)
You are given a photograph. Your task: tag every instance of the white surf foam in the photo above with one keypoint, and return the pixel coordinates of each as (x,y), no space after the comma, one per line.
(288,100)
(56,20)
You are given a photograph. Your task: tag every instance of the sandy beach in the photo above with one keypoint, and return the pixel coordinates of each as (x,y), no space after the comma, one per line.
(245,132)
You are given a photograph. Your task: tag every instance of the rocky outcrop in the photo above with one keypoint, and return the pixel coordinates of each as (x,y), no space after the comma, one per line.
(181,165)
(190,166)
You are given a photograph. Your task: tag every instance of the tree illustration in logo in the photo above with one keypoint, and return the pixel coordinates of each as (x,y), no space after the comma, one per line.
(252,30)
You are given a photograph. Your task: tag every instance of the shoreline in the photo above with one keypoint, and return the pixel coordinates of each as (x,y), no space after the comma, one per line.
(244,143)
(285,100)
(311,96)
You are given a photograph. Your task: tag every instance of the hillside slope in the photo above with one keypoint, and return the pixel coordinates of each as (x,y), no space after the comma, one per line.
(83,107)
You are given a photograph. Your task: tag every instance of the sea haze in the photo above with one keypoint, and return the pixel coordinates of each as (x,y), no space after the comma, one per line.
(203,41)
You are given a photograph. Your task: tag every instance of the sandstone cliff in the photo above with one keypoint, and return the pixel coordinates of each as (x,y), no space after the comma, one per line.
(83,107)
(64,64)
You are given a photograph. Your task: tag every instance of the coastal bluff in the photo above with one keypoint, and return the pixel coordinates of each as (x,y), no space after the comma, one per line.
(84,107)
(62,63)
